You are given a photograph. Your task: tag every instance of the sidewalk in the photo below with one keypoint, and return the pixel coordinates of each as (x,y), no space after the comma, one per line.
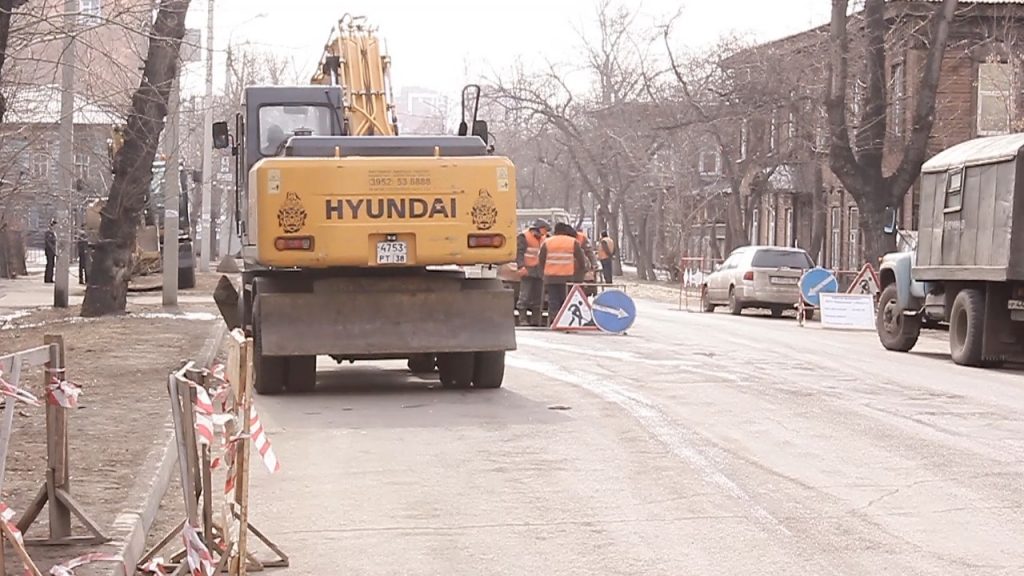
(29,293)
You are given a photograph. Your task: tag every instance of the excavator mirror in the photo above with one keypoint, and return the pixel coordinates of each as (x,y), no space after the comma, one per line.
(221,136)
(480,129)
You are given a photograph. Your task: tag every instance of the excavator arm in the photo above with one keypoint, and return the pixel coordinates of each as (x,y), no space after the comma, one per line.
(354,59)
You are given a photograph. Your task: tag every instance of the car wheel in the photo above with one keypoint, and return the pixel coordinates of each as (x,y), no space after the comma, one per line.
(705,300)
(735,307)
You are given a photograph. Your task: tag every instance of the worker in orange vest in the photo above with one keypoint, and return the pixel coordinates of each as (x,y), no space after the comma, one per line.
(588,254)
(605,251)
(560,257)
(531,284)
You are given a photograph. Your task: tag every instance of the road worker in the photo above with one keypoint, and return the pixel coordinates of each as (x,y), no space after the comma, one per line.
(560,257)
(605,251)
(588,273)
(531,284)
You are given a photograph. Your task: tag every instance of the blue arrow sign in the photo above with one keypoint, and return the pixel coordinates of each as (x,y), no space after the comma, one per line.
(614,311)
(814,282)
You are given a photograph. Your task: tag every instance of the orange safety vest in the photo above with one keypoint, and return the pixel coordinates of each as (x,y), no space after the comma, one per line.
(605,247)
(561,256)
(581,238)
(532,255)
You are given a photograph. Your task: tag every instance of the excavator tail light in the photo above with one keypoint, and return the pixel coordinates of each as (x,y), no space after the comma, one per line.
(486,240)
(283,243)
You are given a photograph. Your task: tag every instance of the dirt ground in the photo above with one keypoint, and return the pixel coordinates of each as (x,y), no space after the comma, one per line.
(121,364)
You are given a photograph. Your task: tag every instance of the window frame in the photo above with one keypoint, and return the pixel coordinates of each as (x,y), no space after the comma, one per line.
(1006,98)
(954,188)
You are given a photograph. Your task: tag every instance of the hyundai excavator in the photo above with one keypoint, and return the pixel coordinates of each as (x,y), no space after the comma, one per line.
(343,224)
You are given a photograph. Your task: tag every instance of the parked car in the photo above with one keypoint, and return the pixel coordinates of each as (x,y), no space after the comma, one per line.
(763,277)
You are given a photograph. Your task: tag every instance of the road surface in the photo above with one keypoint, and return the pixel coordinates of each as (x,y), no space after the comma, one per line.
(699,444)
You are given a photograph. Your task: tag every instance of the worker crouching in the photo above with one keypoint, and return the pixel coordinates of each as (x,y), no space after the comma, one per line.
(531,284)
(560,257)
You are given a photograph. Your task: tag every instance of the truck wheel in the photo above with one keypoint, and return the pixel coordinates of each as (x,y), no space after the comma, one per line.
(735,308)
(705,300)
(268,371)
(186,278)
(456,369)
(967,327)
(301,374)
(897,332)
(488,369)
(422,363)
(777,312)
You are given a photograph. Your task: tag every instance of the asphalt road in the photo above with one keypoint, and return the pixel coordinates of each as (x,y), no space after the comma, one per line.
(698,444)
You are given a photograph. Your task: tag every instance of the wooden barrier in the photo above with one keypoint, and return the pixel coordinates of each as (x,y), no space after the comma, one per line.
(55,490)
(205,538)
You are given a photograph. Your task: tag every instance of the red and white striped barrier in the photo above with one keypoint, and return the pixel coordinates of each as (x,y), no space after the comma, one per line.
(18,394)
(67,568)
(200,561)
(7,517)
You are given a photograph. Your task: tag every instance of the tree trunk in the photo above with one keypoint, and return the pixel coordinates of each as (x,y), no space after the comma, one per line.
(107,291)
(875,241)
(818,216)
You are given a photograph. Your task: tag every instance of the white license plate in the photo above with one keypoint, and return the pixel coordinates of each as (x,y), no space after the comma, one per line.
(392,253)
(782,280)
(1015,304)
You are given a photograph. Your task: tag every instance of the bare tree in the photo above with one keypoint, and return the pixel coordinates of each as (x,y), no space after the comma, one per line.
(109,275)
(858,162)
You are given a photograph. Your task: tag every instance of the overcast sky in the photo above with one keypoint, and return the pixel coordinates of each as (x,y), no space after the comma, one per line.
(432,42)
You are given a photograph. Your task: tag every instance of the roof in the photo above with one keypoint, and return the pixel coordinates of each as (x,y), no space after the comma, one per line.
(986,150)
(41,105)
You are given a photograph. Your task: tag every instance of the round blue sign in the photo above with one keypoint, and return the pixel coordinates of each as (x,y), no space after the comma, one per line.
(814,282)
(614,311)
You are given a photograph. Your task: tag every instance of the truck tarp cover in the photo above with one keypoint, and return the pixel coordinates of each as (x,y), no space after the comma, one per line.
(969,203)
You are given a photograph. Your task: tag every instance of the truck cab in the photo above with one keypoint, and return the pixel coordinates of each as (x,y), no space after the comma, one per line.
(966,267)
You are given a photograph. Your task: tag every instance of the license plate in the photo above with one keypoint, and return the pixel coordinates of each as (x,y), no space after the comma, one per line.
(782,280)
(1015,304)
(392,253)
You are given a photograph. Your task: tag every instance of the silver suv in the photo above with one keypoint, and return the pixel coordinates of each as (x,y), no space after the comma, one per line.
(757,277)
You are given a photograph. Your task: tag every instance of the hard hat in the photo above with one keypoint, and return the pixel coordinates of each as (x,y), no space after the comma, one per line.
(541,223)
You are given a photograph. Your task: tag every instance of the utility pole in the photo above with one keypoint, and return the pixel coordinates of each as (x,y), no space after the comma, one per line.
(172,194)
(205,223)
(66,157)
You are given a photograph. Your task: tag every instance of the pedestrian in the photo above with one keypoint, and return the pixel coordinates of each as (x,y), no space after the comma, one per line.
(531,284)
(83,255)
(560,257)
(50,250)
(605,251)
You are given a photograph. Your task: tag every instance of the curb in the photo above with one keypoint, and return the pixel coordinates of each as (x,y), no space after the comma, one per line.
(132,525)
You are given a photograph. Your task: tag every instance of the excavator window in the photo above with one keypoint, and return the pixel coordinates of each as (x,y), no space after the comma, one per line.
(278,123)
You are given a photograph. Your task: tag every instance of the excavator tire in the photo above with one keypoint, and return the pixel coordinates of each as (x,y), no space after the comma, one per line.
(422,363)
(456,369)
(488,370)
(269,372)
(301,374)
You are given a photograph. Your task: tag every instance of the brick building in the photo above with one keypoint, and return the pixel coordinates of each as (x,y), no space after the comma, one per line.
(979,94)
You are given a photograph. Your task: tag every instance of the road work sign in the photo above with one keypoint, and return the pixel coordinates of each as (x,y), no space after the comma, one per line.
(576,314)
(614,311)
(866,282)
(848,311)
(814,282)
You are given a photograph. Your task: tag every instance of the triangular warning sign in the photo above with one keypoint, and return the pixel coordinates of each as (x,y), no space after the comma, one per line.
(576,314)
(866,282)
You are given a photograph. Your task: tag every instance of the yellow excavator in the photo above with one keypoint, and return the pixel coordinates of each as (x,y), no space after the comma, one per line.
(147,257)
(344,223)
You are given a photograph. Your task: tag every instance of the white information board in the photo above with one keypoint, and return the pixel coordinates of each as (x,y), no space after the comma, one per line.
(847,311)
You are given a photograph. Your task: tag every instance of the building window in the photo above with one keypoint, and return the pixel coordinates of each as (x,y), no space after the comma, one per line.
(789,227)
(898,92)
(710,163)
(824,137)
(773,134)
(82,166)
(771,226)
(995,98)
(853,263)
(837,238)
(89,11)
(859,88)
(41,165)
